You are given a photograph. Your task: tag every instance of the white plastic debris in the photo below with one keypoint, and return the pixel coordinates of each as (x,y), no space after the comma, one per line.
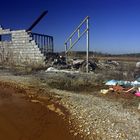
(104,91)
(111,83)
(79,61)
(52,69)
(138,65)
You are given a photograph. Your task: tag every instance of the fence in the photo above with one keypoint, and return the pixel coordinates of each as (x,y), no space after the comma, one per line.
(44,42)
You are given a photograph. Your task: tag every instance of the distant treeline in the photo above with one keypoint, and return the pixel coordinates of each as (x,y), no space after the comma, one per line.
(94,54)
(131,55)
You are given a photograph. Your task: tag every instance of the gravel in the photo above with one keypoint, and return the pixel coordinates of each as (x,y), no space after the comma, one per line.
(98,118)
(93,117)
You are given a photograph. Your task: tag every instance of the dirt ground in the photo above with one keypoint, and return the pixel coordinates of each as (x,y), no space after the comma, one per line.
(24,119)
(57,106)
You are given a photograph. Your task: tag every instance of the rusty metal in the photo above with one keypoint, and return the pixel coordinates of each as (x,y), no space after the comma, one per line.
(37,21)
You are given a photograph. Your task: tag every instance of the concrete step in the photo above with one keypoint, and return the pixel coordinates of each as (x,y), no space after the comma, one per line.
(22,39)
(23,46)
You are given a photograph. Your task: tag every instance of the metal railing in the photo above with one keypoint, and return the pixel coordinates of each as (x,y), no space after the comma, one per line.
(44,42)
(79,35)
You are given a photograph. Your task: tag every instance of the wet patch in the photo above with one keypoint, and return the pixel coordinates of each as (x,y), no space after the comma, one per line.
(23,116)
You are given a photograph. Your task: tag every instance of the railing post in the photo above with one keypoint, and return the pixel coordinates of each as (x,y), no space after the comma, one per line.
(52,45)
(87,56)
(70,42)
(44,42)
(66,53)
(44,45)
(78,33)
(48,44)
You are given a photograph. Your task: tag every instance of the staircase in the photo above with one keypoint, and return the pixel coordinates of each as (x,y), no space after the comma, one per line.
(25,50)
(21,49)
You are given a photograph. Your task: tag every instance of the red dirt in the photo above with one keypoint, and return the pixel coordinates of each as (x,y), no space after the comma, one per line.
(24,120)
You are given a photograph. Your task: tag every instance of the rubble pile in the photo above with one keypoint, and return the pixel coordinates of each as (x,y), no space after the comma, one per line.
(59,62)
(109,64)
(124,86)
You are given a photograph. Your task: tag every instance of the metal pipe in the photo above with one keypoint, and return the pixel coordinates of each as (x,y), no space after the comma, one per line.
(87,55)
(48,44)
(41,34)
(79,36)
(76,41)
(66,52)
(52,45)
(77,29)
(36,39)
(86,20)
(37,21)
(78,33)
(44,45)
(70,42)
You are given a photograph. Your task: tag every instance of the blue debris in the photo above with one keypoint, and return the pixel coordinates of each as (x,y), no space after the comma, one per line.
(111,83)
(123,83)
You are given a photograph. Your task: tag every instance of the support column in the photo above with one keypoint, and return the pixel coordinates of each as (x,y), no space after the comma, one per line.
(52,45)
(87,55)
(66,55)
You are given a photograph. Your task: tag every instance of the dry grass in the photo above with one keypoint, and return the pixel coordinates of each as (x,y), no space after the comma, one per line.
(121,58)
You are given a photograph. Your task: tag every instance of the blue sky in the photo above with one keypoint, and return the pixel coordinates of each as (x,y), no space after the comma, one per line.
(114,24)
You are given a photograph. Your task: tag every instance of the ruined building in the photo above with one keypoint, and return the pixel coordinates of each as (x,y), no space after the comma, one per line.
(22,47)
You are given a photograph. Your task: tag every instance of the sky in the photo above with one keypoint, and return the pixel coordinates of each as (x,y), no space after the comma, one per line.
(114,24)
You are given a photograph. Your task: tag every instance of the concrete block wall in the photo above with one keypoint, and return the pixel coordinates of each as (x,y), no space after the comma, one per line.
(5,52)
(22,48)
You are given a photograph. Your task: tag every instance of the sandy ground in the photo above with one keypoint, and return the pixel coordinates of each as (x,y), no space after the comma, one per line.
(24,118)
